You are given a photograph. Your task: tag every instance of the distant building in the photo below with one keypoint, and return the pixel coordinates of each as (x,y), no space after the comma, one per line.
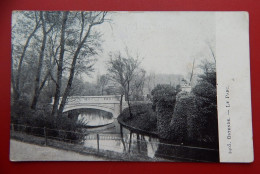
(185,86)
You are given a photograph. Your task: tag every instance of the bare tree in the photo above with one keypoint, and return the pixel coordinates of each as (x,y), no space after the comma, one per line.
(150,82)
(102,82)
(137,89)
(209,44)
(122,71)
(192,71)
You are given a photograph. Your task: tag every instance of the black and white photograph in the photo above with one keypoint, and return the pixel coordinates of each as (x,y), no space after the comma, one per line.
(114,86)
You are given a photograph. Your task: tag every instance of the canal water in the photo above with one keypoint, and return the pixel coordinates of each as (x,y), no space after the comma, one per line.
(102,123)
(92,117)
(113,142)
(102,133)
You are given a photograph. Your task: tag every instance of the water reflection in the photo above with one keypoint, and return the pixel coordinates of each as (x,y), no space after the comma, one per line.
(92,117)
(98,122)
(113,142)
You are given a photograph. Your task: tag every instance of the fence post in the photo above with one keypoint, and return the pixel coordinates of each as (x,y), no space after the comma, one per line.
(130,141)
(12,127)
(98,142)
(45,135)
(122,136)
(138,143)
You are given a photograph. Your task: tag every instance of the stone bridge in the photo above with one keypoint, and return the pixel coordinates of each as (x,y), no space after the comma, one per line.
(108,103)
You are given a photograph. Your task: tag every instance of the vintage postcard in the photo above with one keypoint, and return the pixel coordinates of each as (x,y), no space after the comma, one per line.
(130,86)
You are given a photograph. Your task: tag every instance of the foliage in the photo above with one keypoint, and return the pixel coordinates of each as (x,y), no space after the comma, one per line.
(143,117)
(206,97)
(206,104)
(188,118)
(184,111)
(178,88)
(164,97)
(209,72)
(48,50)
(163,94)
(194,120)
(33,122)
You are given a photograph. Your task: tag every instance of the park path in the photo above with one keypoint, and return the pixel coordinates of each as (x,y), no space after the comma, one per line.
(20,151)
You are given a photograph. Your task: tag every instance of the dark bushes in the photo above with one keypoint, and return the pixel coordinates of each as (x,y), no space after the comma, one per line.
(143,117)
(206,104)
(164,97)
(181,124)
(194,120)
(24,119)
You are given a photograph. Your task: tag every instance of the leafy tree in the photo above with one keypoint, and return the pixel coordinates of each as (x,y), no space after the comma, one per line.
(48,20)
(206,102)
(82,49)
(23,31)
(60,65)
(195,114)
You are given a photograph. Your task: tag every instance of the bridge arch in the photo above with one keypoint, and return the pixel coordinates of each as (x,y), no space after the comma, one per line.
(109,103)
(107,109)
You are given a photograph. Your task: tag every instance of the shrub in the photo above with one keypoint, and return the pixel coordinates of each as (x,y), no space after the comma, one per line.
(163,97)
(206,97)
(163,94)
(33,122)
(142,118)
(184,112)
(194,120)
(206,104)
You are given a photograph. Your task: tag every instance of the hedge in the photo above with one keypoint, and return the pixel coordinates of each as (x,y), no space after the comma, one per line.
(36,120)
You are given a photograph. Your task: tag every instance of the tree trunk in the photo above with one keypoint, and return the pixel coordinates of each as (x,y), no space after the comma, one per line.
(121,103)
(39,70)
(73,65)
(60,66)
(72,73)
(128,100)
(19,70)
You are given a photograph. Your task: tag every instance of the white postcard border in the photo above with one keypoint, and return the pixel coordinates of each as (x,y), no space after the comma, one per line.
(233,87)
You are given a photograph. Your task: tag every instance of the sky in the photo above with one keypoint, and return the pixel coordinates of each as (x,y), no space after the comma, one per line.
(166,42)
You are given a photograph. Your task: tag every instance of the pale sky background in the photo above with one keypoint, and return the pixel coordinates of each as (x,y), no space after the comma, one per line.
(167,41)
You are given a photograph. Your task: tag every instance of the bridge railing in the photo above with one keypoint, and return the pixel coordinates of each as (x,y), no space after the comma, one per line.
(105,99)
(91,99)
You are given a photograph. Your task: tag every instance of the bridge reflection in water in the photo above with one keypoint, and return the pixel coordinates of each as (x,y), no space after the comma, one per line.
(94,117)
(113,142)
(102,123)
